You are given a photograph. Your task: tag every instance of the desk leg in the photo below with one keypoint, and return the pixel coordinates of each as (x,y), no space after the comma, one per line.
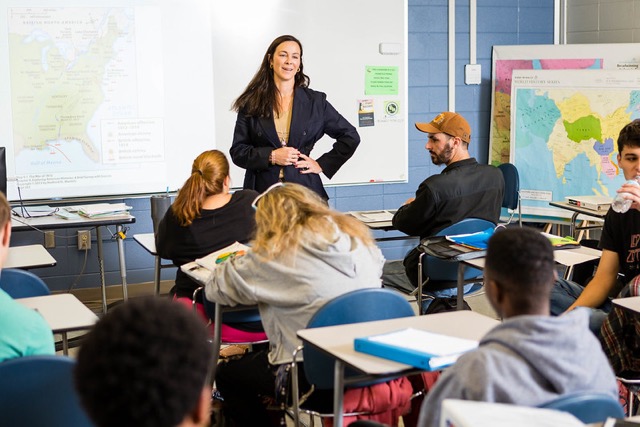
(460,299)
(123,267)
(572,225)
(65,344)
(338,393)
(103,284)
(156,275)
(217,337)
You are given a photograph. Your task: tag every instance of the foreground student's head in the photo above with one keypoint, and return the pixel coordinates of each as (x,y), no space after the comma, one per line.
(519,272)
(145,364)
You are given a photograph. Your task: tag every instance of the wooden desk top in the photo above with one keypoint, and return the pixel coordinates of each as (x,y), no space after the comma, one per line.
(29,256)
(63,312)
(338,340)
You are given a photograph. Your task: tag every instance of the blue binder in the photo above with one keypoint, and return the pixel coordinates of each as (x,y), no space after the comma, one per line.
(424,350)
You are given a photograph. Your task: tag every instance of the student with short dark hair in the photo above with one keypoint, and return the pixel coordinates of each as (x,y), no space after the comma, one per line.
(620,243)
(532,357)
(146,363)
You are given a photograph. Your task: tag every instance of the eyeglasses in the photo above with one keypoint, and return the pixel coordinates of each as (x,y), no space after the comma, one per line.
(254,205)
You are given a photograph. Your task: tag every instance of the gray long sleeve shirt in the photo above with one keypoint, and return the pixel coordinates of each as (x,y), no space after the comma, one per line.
(289,292)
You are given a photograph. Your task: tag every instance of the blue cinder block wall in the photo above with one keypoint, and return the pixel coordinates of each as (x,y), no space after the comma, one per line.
(499,22)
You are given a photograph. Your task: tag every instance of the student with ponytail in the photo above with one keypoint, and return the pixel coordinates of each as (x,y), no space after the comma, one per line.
(204,218)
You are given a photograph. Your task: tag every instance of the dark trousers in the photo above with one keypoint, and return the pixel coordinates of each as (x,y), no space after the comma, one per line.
(245,384)
(248,387)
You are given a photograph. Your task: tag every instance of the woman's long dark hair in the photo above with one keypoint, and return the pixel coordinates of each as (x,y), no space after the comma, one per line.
(259,98)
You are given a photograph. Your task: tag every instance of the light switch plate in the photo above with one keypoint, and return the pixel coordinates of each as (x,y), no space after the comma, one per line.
(472,74)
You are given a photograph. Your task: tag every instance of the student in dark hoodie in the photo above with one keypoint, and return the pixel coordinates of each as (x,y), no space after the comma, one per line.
(530,358)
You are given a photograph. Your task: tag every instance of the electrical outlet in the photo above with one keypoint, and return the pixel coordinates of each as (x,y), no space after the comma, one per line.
(49,239)
(84,239)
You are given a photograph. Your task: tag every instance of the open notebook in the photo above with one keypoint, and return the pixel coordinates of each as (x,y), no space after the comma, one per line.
(201,268)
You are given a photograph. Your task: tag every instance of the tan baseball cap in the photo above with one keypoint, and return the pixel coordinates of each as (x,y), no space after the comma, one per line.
(450,123)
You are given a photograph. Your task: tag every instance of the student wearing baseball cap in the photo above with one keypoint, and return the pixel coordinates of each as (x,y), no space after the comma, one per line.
(464,189)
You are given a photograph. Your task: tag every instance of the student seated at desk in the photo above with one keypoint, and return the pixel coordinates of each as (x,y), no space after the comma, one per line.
(620,244)
(304,254)
(145,363)
(204,218)
(531,357)
(23,332)
(464,189)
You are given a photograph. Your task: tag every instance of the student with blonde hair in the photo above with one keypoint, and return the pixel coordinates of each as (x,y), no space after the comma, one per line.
(303,255)
(204,218)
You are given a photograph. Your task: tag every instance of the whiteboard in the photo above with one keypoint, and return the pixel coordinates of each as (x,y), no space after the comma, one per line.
(104,97)
(340,40)
(113,98)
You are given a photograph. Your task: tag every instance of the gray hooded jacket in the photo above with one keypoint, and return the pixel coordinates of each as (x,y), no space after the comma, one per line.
(527,360)
(288,293)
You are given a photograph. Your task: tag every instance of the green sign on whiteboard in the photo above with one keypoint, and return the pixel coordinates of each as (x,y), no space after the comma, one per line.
(381,80)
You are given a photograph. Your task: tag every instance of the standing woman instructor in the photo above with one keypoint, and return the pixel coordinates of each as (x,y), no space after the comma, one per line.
(279,121)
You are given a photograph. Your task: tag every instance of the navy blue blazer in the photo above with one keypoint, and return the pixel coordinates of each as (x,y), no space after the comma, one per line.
(312,117)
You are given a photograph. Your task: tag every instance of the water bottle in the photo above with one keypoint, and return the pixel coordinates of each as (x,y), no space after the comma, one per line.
(620,204)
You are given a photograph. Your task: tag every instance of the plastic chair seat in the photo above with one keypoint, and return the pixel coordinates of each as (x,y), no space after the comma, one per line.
(39,391)
(22,284)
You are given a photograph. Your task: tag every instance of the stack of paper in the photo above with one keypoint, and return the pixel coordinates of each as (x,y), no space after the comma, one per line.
(101,210)
(415,347)
(596,203)
(370,217)
(34,211)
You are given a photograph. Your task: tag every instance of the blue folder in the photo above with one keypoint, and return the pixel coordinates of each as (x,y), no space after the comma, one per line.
(477,240)
(416,352)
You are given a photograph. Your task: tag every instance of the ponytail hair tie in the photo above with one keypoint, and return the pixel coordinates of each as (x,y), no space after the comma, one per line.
(198,171)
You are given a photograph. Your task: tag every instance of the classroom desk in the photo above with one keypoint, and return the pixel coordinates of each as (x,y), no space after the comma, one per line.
(631,303)
(57,223)
(384,225)
(28,256)
(577,211)
(337,342)
(148,242)
(63,312)
(566,257)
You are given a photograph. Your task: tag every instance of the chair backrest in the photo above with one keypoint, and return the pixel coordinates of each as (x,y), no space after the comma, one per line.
(587,407)
(441,270)
(362,305)
(511,185)
(159,206)
(233,314)
(22,284)
(39,391)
